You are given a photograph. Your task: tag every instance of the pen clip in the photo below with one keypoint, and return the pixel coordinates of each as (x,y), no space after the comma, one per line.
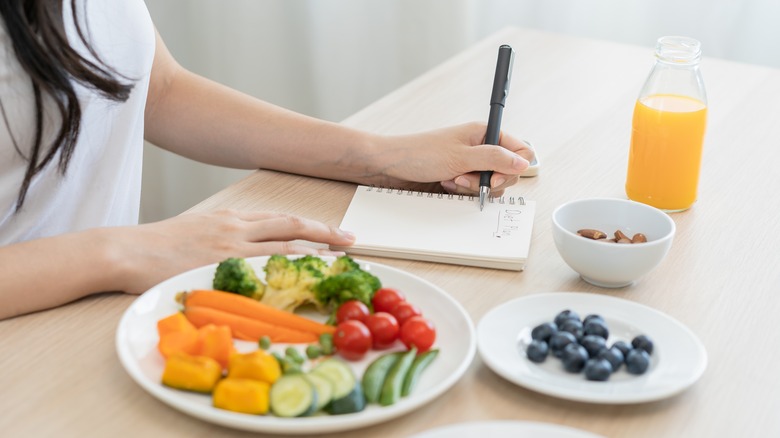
(506,57)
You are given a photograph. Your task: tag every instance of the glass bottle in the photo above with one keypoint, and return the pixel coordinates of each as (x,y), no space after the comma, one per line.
(668,127)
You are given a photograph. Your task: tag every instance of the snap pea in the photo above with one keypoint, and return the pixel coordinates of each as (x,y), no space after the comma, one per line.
(418,366)
(376,373)
(391,388)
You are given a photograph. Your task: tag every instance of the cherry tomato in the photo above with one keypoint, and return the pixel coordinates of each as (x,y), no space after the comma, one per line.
(404,311)
(386,298)
(384,329)
(352,309)
(419,332)
(352,339)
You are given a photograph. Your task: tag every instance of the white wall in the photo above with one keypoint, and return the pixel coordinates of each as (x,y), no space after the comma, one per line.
(330,58)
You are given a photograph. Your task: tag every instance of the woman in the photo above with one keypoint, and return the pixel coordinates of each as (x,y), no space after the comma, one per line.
(82,84)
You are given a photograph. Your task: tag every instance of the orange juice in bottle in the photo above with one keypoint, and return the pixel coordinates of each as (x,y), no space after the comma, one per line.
(668,128)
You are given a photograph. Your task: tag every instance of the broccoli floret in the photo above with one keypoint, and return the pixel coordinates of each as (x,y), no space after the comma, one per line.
(280,272)
(343,264)
(336,289)
(312,262)
(237,276)
(291,282)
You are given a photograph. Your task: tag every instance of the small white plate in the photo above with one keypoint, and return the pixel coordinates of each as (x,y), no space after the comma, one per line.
(678,358)
(505,429)
(136,342)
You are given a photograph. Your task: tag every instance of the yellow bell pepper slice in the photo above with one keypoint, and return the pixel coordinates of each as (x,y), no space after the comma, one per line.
(242,395)
(257,365)
(191,373)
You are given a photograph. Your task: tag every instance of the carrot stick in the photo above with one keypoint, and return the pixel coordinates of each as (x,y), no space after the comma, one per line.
(250,308)
(249,329)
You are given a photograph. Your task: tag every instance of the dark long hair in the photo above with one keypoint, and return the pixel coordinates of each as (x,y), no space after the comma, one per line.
(37,32)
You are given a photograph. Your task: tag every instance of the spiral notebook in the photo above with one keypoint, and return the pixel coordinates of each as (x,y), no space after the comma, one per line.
(440,227)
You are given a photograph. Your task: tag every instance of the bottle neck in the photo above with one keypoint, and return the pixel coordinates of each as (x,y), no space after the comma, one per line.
(676,70)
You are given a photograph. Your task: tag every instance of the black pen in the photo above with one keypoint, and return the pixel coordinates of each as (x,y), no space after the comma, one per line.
(497,100)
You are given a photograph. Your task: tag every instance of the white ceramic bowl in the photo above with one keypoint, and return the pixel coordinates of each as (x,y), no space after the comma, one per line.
(608,264)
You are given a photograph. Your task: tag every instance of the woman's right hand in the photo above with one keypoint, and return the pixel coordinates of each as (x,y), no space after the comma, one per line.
(151,253)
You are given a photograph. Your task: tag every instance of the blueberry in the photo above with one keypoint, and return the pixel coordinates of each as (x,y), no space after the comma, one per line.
(574,358)
(592,317)
(597,369)
(559,341)
(637,361)
(564,315)
(573,326)
(596,327)
(537,351)
(593,344)
(543,332)
(642,342)
(623,347)
(614,356)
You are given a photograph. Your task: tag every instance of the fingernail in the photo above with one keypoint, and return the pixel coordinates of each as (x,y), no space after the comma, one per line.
(462,181)
(519,163)
(449,185)
(498,181)
(346,234)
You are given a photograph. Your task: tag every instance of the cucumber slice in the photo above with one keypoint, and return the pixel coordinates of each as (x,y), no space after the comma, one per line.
(353,402)
(339,374)
(323,387)
(420,363)
(376,373)
(293,396)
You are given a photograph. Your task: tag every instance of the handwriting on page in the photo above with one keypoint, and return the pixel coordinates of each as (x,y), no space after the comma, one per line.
(508,223)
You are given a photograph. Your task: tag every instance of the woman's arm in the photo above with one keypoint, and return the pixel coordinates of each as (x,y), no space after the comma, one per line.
(203,120)
(49,272)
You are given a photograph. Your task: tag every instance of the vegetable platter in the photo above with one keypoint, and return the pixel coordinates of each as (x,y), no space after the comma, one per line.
(137,347)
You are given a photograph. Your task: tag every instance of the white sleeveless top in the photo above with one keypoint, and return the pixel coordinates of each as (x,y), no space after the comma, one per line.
(102,185)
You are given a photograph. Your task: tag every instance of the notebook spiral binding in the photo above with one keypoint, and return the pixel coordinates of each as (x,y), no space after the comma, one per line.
(511,200)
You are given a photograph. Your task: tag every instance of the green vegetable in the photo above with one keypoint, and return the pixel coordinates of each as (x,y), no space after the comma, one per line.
(343,264)
(323,387)
(264,342)
(391,388)
(355,284)
(293,396)
(326,343)
(339,374)
(237,276)
(313,351)
(375,374)
(419,365)
(290,283)
(294,355)
(347,394)
(287,363)
(353,402)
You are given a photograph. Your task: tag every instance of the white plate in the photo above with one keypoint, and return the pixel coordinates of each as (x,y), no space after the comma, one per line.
(505,429)
(136,342)
(678,358)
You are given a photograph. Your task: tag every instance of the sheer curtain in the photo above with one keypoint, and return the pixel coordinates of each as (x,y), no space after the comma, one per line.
(330,58)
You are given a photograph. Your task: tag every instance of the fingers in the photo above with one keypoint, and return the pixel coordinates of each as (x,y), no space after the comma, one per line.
(507,160)
(293,247)
(468,184)
(281,227)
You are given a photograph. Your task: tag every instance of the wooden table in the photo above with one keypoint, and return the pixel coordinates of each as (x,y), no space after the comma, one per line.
(573,99)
